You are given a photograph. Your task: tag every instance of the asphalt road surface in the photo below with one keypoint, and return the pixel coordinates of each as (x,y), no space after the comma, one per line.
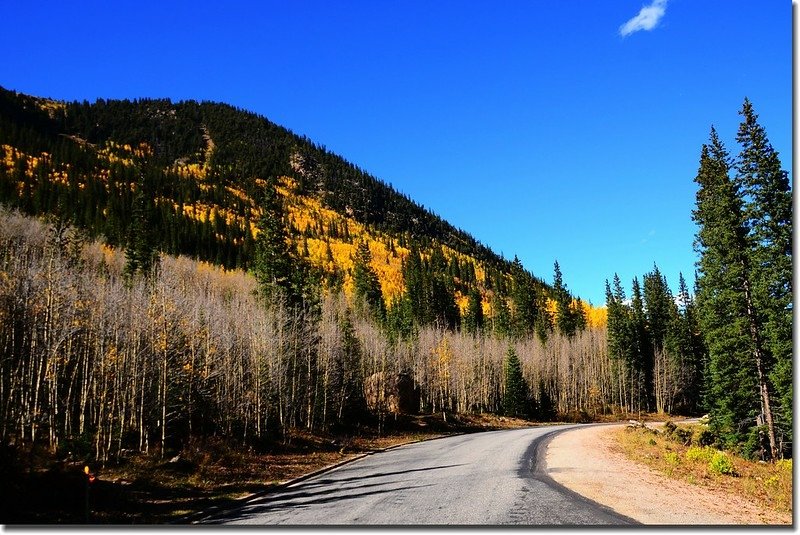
(492,478)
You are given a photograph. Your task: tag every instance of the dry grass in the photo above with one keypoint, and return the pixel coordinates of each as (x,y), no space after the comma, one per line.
(767,485)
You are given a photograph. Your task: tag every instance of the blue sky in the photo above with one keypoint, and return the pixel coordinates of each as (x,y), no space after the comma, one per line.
(566,130)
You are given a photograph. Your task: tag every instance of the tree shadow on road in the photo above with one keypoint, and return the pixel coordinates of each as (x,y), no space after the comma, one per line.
(320,492)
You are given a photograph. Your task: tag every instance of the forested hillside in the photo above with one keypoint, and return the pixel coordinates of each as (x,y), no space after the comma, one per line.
(189,178)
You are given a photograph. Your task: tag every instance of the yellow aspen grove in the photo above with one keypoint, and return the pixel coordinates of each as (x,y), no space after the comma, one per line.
(148,362)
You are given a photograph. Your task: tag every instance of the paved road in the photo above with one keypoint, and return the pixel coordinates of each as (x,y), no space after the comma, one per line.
(488,478)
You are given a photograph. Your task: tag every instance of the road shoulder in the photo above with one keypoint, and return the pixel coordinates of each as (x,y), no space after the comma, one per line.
(584,460)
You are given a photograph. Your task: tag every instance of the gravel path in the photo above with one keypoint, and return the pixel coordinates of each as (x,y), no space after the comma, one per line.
(584,461)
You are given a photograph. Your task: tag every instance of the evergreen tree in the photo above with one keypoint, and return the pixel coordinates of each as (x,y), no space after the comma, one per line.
(347,376)
(619,343)
(446,313)
(768,216)
(658,305)
(516,397)
(429,289)
(141,252)
(473,319)
(417,287)
(501,316)
(579,315)
(545,406)
(454,267)
(400,319)
(367,286)
(277,269)
(642,349)
(523,297)
(670,338)
(544,319)
(737,391)
(691,348)
(442,293)
(566,319)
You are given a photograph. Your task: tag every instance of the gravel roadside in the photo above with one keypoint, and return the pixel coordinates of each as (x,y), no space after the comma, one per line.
(584,461)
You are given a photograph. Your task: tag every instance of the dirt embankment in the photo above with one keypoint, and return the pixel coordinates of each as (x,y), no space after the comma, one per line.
(586,461)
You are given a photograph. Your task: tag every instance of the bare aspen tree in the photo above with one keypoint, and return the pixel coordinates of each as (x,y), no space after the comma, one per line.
(135,363)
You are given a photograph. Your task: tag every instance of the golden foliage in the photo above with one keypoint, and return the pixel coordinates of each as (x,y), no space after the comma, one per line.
(124,154)
(443,355)
(327,250)
(462,301)
(190,170)
(315,229)
(552,308)
(330,252)
(596,317)
(240,195)
(11,155)
(50,106)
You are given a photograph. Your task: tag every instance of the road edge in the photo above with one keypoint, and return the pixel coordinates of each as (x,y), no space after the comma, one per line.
(537,469)
(197,517)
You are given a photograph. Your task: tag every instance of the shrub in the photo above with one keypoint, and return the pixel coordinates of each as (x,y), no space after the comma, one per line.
(721,464)
(753,446)
(703,437)
(682,435)
(784,465)
(575,417)
(669,428)
(78,448)
(703,454)
(672,458)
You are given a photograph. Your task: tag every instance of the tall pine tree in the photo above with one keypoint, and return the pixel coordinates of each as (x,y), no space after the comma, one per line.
(619,342)
(523,298)
(141,252)
(768,217)
(738,390)
(281,274)
(566,315)
(516,396)
(473,318)
(501,316)
(689,345)
(641,357)
(367,286)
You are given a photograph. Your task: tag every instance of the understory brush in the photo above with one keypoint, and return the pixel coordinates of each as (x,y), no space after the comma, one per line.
(684,453)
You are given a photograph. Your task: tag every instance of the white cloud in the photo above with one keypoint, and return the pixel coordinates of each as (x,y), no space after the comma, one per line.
(647,19)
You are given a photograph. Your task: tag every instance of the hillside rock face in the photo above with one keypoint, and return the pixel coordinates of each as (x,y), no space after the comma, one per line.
(393,393)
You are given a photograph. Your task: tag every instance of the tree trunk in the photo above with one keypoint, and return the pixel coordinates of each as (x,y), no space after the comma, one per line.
(758,356)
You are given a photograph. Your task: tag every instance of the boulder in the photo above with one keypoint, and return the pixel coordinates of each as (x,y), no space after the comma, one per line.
(394,393)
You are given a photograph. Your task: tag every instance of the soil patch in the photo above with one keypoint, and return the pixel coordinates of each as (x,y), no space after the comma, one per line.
(589,462)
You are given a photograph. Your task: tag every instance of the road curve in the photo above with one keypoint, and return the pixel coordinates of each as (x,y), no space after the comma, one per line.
(491,478)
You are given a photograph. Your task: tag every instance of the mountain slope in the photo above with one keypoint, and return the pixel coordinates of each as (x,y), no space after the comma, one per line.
(204,166)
